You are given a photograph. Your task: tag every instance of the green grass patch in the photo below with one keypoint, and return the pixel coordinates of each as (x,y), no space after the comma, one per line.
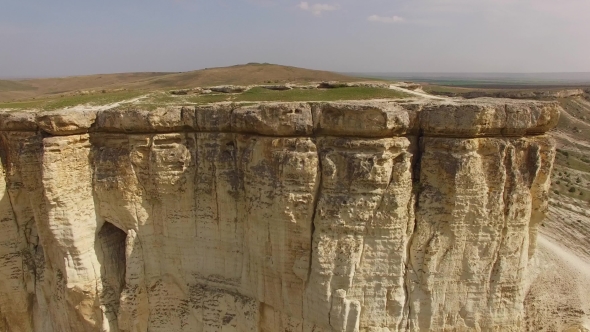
(94,99)
(213,98)
(262,94)
(22,105)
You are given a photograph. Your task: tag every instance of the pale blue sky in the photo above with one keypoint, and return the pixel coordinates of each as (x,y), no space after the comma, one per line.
(66,37)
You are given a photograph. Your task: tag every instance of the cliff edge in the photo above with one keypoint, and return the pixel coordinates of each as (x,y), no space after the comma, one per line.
(338,216)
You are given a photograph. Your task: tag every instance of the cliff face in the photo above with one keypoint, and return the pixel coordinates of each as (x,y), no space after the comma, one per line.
(372,216)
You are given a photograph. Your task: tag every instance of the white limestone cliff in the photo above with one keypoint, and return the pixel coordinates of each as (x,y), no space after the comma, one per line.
(302,217)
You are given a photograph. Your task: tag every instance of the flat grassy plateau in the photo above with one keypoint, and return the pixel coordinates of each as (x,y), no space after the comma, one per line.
(257,94)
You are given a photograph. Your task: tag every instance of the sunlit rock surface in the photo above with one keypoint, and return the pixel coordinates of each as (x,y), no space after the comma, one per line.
(300,217)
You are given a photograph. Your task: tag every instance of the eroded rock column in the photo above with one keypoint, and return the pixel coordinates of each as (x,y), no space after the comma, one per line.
(68,226)
(25,304)
(470,251)
(362,223)
(15,308)
(280,181)
(479,203)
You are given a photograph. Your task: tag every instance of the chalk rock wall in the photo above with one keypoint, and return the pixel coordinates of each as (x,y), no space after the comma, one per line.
(298,217)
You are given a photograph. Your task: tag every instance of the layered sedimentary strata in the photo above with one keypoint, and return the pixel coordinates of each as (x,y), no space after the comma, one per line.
(308,217)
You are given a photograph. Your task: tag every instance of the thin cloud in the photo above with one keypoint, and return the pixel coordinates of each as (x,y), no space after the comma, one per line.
(386,19)
(317,8)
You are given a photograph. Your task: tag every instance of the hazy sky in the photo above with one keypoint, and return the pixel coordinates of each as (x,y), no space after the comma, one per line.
(63,37)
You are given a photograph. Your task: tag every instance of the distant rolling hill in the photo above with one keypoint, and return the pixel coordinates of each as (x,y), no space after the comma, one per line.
(252,73)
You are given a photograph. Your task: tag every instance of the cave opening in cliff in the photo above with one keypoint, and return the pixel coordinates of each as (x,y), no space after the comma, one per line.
(110,251)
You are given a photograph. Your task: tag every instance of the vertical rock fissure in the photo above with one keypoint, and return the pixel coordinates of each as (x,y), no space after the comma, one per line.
(7,167)
(389,182)
(216,198)
(231,117)
(507,163)
(147,287)
(412,204)
(196,179)
(137,176)
(316,199)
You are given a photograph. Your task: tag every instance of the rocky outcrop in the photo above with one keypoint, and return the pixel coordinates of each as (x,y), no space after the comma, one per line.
(357,216)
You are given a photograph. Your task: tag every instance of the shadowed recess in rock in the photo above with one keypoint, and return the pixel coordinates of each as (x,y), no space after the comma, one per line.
(110,251)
